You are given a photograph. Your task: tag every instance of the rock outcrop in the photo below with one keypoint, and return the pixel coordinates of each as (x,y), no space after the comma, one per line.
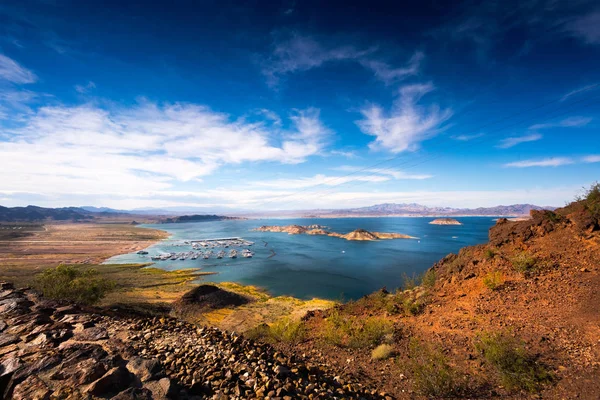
(49,350)
(358,234)
(445,221)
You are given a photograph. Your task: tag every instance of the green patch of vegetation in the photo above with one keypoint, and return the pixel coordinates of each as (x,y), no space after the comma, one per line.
(66,282)
(410,282)
(508,356)
(284,330)
(553,217)
(413,306)
(355,332)
(429,278)
(432,375)
(591,199)
(489,254)
(524,263)
(493,280)
(382,352)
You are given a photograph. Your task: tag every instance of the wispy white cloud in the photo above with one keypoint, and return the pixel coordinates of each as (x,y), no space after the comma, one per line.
(583,89)
(387,74)
(394,173)
(144,148)
(407,124)
(513,141)
(572,122)
(546,162)
(586,27)
(12,71)
(466,138)
(591,159)
(301,53)
(344,153)
(85,88)
(317,180)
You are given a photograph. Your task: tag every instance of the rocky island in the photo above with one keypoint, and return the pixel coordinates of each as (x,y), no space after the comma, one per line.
(358,234)
(445,221)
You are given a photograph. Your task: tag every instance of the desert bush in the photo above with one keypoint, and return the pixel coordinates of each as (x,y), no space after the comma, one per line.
(591,199)
(284,330)
(508,356)
(524,263)
(489,254)
(493,280)
(432,375)
(66,282)
(410,282)
(382,352)
(355,332)
(429,278)
(413,306)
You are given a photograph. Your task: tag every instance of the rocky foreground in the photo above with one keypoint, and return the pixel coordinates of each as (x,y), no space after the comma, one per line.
(49,350)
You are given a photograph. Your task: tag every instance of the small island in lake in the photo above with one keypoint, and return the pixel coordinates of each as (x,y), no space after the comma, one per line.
(358,234)
(445,221)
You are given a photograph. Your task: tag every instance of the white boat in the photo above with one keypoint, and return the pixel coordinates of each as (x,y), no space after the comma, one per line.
(233,254)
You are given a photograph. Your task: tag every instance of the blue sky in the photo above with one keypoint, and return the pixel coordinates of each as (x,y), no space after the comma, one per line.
(297,104)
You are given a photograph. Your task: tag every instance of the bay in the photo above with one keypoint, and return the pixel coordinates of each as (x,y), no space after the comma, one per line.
(306,266)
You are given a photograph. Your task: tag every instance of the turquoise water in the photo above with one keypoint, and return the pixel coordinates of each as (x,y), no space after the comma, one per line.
(308,266)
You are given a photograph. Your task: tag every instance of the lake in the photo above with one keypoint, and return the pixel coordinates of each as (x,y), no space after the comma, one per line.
(307,266)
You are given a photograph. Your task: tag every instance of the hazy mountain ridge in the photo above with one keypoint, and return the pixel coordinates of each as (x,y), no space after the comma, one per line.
(419,209)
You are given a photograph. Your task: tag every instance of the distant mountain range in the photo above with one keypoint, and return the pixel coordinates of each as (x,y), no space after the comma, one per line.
(34,213)
(421,210)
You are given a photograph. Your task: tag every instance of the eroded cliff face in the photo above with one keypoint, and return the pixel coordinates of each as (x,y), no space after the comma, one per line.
(49,350)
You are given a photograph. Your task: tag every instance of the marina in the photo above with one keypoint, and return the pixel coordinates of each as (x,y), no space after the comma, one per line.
(205,249)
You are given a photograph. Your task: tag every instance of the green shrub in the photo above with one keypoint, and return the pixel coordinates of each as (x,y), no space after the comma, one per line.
(382,352)
(489,254)
(355,332)
(413,306)
(432,375)
(410,282)
(66,282)
(591,198)
(284,330)
(493,280)
(509,358)
(429,278)
(524,263)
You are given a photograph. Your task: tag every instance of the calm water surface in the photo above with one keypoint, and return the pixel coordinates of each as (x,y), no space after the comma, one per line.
(308,266)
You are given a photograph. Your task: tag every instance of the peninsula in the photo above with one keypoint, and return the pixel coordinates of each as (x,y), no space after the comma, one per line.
(358,234)
(445,221)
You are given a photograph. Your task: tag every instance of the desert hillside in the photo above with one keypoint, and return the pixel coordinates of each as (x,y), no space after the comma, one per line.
(518,317)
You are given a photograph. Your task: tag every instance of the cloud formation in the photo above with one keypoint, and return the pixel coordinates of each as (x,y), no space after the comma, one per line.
(13,72)
(546,162)
(85,88)
(513,141)
(143,149)
(301,53)
(586,27)
(407,124)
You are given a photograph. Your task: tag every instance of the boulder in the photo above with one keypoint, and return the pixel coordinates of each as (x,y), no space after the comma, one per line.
(145,370)
(113,382)
(32,388)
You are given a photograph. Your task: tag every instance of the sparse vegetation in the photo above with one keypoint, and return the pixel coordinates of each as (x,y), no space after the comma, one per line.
(431,372)
(66,282)
(508,356)
(284,330)
(493,280)
(489,254)
(410,282)
(350,331)
(382,352)
(429,278)
(524,263)
(591,198)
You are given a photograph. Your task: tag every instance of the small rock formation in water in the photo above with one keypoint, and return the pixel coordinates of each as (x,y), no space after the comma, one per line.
(358,234)
(445,221)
